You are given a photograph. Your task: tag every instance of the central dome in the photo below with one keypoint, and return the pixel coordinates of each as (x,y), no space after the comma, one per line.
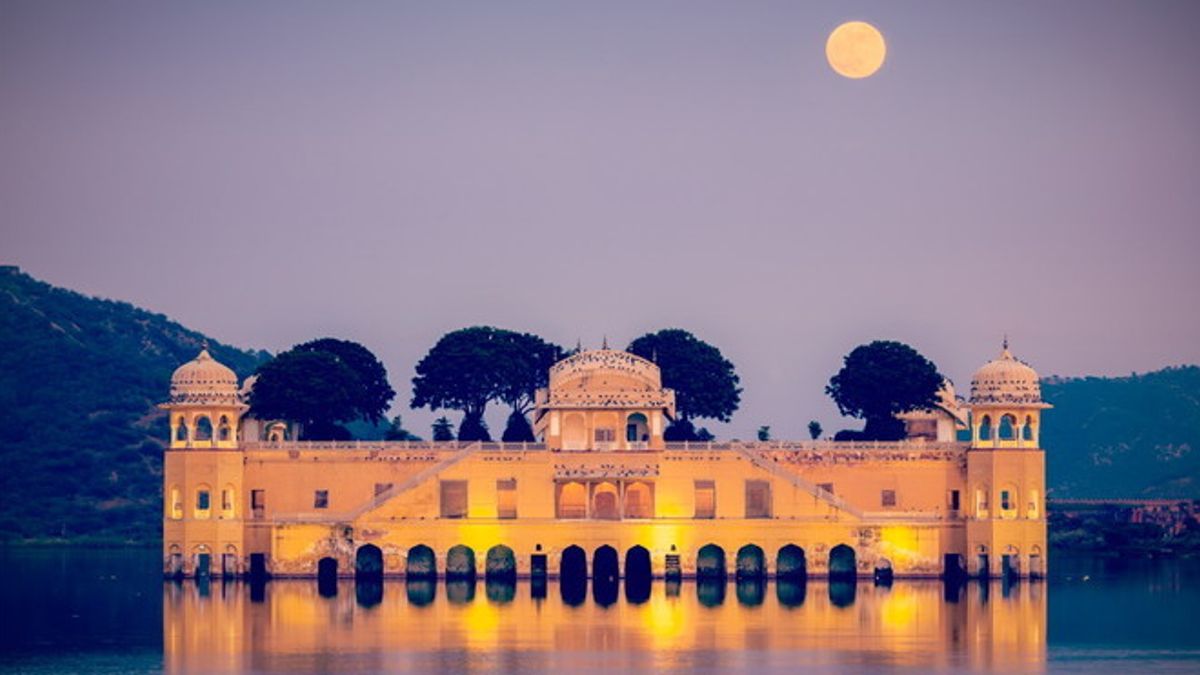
(204,380)
(1006,380)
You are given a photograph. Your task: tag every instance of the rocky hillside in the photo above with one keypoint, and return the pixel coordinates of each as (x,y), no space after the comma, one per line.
(1132,437)
(80,439)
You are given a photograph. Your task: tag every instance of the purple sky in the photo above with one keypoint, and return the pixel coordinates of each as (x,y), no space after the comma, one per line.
(270,173)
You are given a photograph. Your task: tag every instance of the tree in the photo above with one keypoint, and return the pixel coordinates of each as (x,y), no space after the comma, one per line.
(517,429)
(473,428)
(764,433)
(374,395)
(443,430)
(397,432)
(704,381)
(814,429)
(460,372)
(315,389)
(880,380)
(684,430)
(523,363)
(470,367)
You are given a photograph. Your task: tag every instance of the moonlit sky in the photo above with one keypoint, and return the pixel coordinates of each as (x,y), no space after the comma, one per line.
(270,173)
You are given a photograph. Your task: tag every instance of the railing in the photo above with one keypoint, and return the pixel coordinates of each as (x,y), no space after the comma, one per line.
(392,446)
(816,446)
(837,447)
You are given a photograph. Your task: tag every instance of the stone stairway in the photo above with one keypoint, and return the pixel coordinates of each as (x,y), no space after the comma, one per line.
(766,464)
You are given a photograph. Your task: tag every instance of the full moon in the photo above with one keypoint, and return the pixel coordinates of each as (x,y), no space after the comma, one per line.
(855,49)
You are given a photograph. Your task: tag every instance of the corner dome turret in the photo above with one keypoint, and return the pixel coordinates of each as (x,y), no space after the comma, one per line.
(204,380)
(1006,380)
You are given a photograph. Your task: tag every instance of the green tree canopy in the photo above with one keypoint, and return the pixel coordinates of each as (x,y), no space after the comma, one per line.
(704,381)
(443,430)
(315,389)
(467,368)
(375,394)
(814,429)
(880,380)
(460,372)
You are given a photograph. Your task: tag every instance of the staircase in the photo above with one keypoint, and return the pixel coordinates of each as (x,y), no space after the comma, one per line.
(412,482)
(756,458)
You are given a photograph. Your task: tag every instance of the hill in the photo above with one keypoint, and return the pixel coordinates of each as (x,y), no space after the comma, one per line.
(1125,437)
(80,439)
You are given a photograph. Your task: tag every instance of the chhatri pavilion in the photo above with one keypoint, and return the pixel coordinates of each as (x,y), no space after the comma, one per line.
(602,493)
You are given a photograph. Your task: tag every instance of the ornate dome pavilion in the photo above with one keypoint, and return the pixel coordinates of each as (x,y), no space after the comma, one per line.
(1006,381)
(204,381)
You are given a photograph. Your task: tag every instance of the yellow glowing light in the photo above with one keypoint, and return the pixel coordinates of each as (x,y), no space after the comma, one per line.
(855,50)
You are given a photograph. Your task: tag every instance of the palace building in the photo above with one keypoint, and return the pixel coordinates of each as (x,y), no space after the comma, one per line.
(602,494)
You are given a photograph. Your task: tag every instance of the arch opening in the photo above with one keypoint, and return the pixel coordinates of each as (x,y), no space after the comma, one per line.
(842,563)
(710,562)
(604,502)
(421,563)
(460,562)
(638,574)
(204,428)
(790,563)
(751,562)
(500,563)
(368,562)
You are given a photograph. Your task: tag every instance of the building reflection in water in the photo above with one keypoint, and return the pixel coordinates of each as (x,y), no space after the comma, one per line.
(303,625)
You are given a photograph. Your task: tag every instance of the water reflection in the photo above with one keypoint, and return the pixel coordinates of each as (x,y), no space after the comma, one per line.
(387,625)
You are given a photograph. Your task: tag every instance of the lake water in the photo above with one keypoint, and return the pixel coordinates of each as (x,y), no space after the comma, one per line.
(108,611)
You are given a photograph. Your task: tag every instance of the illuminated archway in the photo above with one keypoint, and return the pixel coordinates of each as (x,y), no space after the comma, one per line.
(751,562)
(710,562)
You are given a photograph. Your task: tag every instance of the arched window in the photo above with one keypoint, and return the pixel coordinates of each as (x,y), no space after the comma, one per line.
(981,500)
(985,428)
(1033,508)
(1027,430)
(572,500)
(1007,430)
(639,501)
(203,503)
(637,429)
(175,503)
(604,502)
(223,430)
(204,429)
(181,433)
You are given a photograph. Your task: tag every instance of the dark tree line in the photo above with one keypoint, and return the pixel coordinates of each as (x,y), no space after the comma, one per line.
(328,383)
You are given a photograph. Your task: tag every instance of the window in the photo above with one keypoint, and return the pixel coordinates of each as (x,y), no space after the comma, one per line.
(758,499)
(321,499)
(223,429)
(454,499)
(888,498)
(828,487)
(985,428)
(506,498)
(706,499)
(203,503)
(605,435)
(258,502)
(181,430)
(176,504)
(204,429)
(1033,504)
(572,500)
(952,500)
(1008,428)
(639,500)
(1005,500)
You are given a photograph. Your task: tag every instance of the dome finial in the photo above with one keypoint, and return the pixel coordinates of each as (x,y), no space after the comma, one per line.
(605,343)
(1006,342)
